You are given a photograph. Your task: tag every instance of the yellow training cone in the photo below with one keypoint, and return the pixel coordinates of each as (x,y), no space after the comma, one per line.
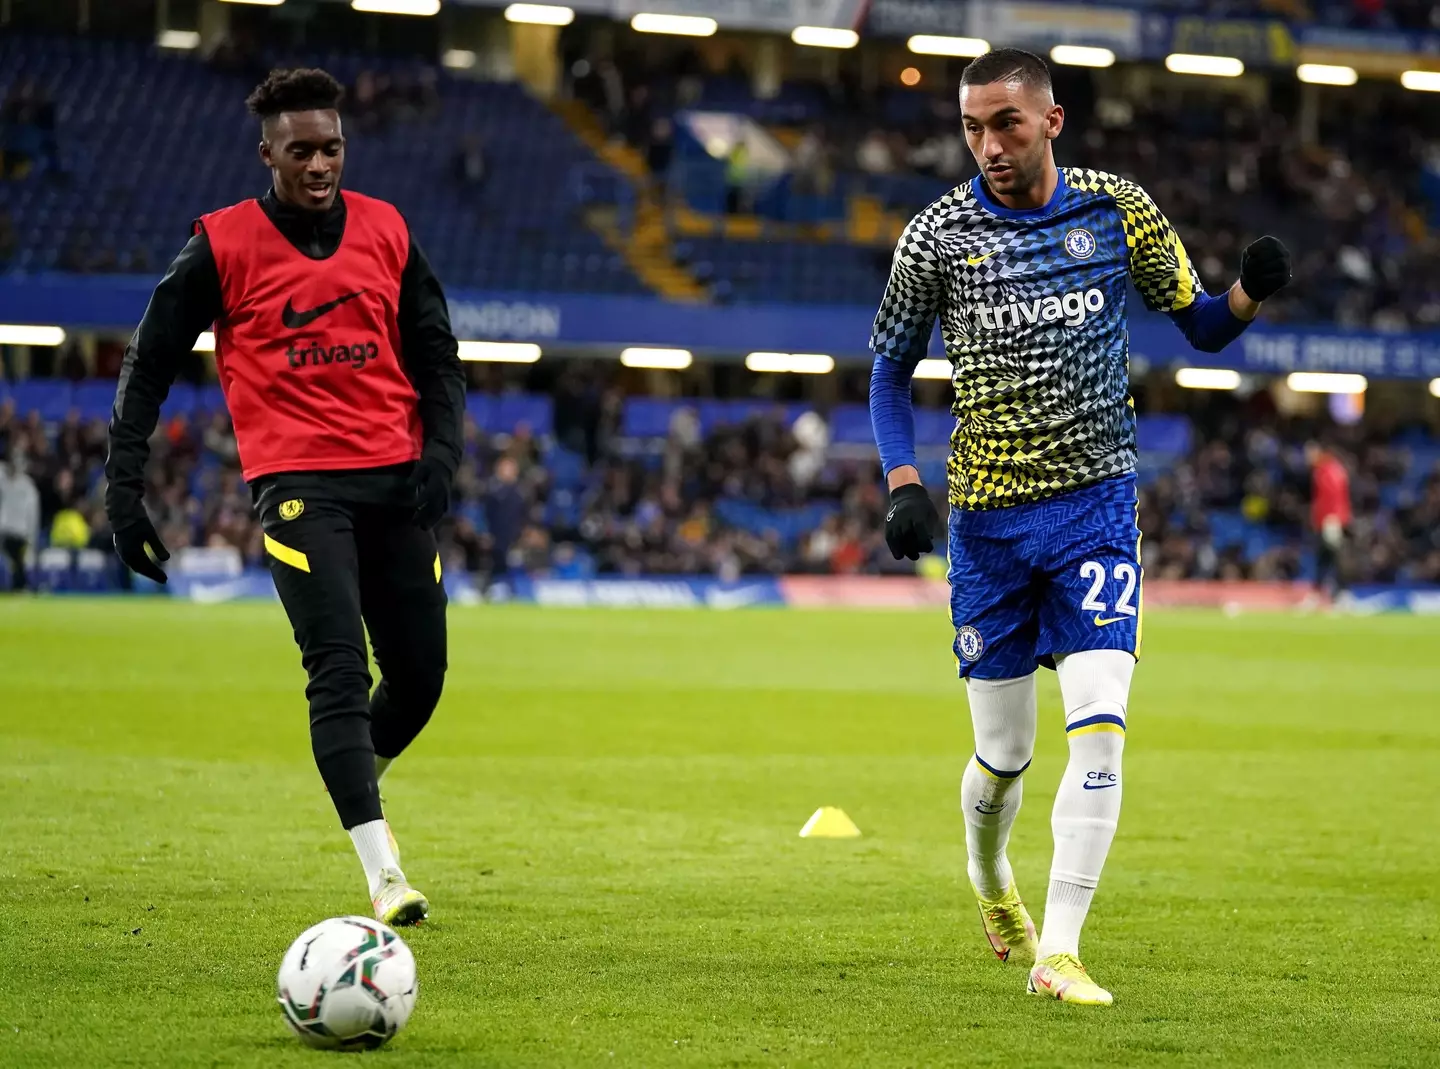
(829,823)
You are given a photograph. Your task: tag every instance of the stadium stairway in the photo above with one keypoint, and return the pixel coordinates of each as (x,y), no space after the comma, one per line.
(867,221)
(647,246)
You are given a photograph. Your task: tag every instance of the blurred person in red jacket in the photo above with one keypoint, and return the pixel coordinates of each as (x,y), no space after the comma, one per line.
(1329,514)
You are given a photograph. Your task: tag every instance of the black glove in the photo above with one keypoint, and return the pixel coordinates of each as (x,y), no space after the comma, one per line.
(1264,268)
(430,483)
(131,541)
(908,524)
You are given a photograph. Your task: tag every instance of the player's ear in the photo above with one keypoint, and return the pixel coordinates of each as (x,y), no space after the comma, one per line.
(1054,122)
(265,153)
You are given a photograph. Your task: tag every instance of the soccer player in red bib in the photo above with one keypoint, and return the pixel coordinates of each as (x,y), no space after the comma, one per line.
(335,354)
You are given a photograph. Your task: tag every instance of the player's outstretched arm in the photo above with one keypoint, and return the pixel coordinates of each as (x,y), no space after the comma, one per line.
(1168,282)
(186,302)
(901,336)
(1211,323)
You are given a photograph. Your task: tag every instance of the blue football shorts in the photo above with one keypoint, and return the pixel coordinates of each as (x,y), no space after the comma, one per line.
(1031,582)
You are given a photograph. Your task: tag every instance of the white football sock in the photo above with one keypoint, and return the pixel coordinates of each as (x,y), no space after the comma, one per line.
(372,843)
(1003,714)
(382,765)
(1066,905)
(1095,685)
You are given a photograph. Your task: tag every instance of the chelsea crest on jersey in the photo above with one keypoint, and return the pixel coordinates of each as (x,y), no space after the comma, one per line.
(1031,306)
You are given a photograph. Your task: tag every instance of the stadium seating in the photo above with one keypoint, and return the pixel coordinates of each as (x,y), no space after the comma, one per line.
(132,183)
(790,271)
(522,228)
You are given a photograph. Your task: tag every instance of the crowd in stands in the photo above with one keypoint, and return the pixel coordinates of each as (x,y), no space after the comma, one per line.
(655,511)
(1239,505)
(1223,167)
(1358,15)
(1364,256)
(758,497)
(1414,15)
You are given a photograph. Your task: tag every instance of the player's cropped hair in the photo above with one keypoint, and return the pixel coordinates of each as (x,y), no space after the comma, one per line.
(300,89)
(1007,65)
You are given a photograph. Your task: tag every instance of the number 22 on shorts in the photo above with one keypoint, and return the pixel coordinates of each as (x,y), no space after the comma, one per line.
(1125,573)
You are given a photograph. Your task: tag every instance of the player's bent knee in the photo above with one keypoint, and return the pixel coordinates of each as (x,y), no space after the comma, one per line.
(1003,715)
(1092,676)
(1097,725)
(339,681)
(417,692)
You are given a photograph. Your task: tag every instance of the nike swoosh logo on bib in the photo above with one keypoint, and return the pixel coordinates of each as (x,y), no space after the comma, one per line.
(295,320)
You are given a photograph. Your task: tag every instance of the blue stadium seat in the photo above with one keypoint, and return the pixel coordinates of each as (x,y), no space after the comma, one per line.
(512,410)
(522,215)
(94,398)
(481,408)
(1228,528)
(1169,435)
(208,399)
(789,524)
(182,401)
(50,397)
(567,469)
(933,426)
(648,417)
(850,425)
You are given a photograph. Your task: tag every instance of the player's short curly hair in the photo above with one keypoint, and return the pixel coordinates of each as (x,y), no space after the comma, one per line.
(1007,65)
(300,89)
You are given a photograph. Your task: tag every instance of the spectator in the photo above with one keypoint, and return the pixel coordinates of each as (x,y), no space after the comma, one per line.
(873,156)
(363,101)
(811,164)
(739,199)
(660,147)
(505,511)
(9,425)
(70,529)
(424,95)
(7,237)
(468,164)
(1330,515)
(27,130)
(19,516)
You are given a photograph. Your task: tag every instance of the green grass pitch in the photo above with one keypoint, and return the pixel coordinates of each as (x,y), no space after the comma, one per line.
(605,814)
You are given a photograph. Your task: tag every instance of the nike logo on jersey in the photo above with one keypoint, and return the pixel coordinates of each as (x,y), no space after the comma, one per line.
(1101,621)
(975,260)
(295,320)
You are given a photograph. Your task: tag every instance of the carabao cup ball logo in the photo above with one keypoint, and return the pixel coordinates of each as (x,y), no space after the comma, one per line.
(970,643)
(1080,244)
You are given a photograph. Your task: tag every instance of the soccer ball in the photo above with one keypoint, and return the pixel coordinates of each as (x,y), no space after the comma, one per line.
(347,984)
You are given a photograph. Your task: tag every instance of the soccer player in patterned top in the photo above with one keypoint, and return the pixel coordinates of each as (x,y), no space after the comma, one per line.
(334,350)
(1026,268)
